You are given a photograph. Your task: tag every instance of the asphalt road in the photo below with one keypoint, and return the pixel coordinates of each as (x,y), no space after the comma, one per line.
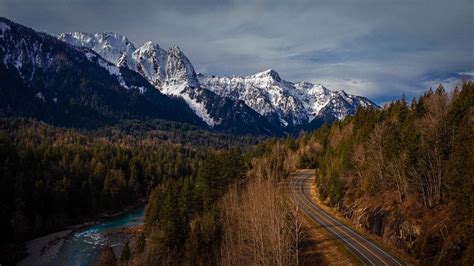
(365,250)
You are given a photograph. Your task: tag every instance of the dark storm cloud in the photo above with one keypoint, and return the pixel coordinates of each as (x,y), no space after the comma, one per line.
(380,49)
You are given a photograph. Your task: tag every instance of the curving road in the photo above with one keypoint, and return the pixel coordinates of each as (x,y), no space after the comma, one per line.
(365,250)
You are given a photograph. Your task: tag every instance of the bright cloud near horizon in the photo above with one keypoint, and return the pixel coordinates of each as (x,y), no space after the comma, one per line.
(378,49)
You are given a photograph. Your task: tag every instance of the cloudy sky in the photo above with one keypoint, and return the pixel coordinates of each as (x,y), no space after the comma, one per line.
(380,49)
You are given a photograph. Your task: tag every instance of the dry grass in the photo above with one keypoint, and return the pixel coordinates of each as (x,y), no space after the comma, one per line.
(320,248)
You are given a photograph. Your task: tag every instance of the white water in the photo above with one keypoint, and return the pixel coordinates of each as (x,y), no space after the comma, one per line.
(82,246)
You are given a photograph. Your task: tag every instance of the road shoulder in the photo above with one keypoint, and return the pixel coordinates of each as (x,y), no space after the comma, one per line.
(320,247)
(373,238)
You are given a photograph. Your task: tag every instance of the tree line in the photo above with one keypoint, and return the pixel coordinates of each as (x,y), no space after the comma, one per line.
(422,152)
(418,155)
(54,177)
(414,159)
(208,203)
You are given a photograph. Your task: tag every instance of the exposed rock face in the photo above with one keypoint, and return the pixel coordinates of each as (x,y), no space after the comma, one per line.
(287,106)
(283,102)
(148,60)
(48,79)
(158,66)
(172,73)
(110,46)
(386,223)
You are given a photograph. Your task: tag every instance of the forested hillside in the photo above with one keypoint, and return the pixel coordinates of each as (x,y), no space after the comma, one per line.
(220,215)
(404,173)
(51,81)
(53,177)
(407,170)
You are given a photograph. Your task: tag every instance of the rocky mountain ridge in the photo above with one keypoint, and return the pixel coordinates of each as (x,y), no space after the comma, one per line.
(282,103)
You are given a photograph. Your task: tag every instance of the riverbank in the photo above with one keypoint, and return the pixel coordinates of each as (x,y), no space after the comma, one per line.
(41,251)
(81,243)
(124,235)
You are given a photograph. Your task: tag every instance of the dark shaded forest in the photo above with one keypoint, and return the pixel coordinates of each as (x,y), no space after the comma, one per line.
(403,173)
(54,177)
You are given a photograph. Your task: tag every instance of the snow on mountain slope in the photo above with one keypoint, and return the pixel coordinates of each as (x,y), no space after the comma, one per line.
(317,99)
(158,66)
(111,46)
(46,79)
(342,104)
(179,69)
(290,103)
(283,103)
(169,71)
(149,60)
(264,92)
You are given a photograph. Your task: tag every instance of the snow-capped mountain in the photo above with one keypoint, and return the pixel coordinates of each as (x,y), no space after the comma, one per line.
(284,104)
(48,79)
(264,92)
(162,68)
(172,73)
(169,71)
(291,104)
(81,79)
(112,46)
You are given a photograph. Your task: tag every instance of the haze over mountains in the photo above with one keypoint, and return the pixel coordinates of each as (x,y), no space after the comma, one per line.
(105,78)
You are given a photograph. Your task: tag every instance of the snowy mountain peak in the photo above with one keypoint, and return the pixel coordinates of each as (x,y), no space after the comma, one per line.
(179,69)
(111,46)
(268,73)
(114,39)
(148,49)
(283,103)
(158,66)
(312,89)
(262,102)
(174,49)
(149,46)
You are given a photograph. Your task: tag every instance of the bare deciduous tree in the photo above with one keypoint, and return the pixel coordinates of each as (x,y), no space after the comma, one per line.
(258,226)
(376,157)
(396,169)
(427,175)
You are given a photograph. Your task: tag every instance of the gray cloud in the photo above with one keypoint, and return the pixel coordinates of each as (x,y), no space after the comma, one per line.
(379,49)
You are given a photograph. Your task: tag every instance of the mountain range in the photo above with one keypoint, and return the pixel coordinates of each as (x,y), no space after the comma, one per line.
(83,79)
